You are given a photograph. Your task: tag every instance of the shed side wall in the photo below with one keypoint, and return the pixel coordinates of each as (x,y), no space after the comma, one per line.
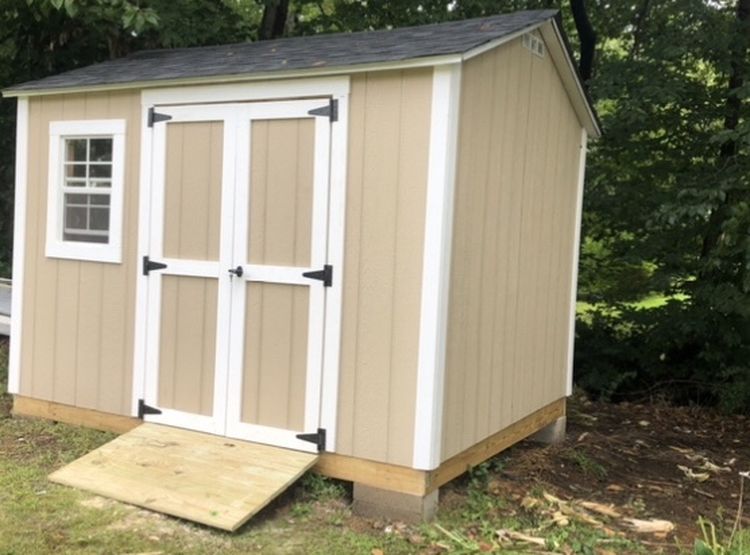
(389,131)
(519,143)
(78,317)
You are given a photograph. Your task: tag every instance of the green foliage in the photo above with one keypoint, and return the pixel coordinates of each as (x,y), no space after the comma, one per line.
(319,488)
(667,204)
(667,176)
(712,542)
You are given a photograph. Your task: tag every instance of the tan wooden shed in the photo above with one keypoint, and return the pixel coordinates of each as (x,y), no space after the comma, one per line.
(363,245)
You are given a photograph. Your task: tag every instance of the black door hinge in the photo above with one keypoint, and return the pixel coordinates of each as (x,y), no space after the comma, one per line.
(331,111)
(144,409)
(149,265)
(318,438)
(325,275)
(155,117)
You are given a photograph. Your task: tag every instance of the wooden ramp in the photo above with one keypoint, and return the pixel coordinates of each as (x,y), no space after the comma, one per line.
(208,479)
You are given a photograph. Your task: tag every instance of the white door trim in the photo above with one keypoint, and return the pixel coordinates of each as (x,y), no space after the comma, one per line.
(336,87)
(249,91)
(334,297)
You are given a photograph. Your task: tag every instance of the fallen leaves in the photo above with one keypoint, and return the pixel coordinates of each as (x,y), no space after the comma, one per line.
(659,528)
(690,474)
(511,536)
(606,510)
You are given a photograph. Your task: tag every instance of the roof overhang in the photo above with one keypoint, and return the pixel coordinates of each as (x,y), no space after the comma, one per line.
(550,30)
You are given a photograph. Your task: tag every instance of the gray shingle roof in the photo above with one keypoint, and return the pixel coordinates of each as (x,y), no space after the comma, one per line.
(318,51)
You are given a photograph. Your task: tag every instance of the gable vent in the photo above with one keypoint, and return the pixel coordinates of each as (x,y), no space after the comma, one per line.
(534,43)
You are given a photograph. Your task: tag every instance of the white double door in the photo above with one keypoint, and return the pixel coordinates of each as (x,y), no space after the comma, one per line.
(238,215)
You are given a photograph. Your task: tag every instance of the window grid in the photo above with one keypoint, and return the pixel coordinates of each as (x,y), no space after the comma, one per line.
(86,188)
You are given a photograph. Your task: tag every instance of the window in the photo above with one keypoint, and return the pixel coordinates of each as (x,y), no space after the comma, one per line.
(86,166)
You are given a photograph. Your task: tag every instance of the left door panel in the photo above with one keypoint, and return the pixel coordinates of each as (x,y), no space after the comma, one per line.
(191,192)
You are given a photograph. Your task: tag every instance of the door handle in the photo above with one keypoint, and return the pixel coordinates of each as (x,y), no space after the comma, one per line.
(238,271)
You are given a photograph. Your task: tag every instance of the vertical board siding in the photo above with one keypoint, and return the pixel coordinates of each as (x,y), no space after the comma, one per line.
(389,126)
(281,197)
(78,320)
(516,183)
(275,366)
(187,347)
(192,195)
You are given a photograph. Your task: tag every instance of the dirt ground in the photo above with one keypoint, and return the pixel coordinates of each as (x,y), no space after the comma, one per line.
(645,461)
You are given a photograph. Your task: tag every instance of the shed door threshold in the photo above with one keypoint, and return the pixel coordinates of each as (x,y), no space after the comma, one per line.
(208,479)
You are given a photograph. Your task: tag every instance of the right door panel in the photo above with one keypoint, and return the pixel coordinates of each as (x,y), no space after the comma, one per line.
(281,208)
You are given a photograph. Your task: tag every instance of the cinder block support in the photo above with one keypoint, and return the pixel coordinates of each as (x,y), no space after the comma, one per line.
(552,433)
(380,503)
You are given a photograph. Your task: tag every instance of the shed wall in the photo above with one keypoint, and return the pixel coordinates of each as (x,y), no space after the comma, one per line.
(77,336)
(79,316)
(514,221)
(389,128)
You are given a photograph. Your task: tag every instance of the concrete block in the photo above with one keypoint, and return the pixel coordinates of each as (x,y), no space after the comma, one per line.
(379,503)
(552,433)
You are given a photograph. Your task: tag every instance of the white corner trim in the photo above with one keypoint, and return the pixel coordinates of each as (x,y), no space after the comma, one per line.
(335,294)
(19,245)
(55,246)
(441,176)
(576,257)
(141,282)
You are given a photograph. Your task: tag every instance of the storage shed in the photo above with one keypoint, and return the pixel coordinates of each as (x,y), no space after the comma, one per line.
(361,245)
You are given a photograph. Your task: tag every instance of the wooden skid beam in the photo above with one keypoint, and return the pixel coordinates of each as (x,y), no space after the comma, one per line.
(37,408)
(374,474)
(480,452)
(370,473)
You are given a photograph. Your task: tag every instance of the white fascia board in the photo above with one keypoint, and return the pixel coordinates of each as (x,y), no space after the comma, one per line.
(19,245)
(553,38)
(576,258)
(427,61)
(441,177)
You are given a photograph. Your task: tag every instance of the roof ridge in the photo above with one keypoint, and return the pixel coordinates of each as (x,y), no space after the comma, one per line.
(347,34)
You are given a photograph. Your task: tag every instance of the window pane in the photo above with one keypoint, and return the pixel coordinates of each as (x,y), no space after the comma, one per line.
(76,200)
(75,170)
(75,150)
(100,183)
(99,219)
(100,170)
(75,218)
(75,183)
(99,200)
(101,150)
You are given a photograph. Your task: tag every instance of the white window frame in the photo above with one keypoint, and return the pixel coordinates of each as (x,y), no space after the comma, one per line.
(77,250)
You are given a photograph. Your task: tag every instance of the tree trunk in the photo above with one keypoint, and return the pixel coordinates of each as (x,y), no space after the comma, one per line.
(587,38)
(273,23)
(638,26)
(733,105)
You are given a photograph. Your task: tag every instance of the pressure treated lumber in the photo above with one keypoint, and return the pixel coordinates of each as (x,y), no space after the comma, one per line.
(208,479)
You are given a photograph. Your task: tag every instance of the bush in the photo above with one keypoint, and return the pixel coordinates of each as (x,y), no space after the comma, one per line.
(690,351)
